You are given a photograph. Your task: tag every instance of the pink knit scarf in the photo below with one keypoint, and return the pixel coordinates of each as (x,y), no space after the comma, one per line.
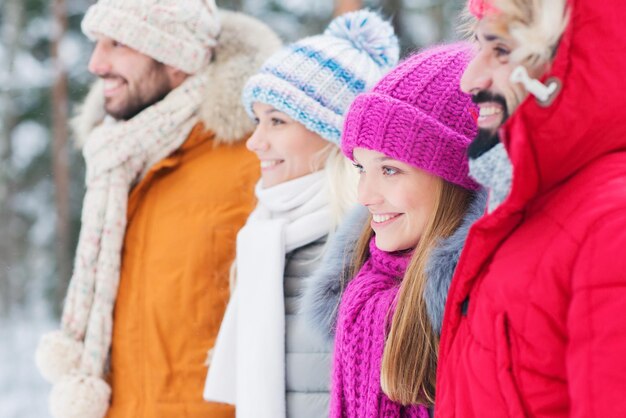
(364,317)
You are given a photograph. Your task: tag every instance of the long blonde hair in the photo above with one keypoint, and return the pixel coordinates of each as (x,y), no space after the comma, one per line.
(341,182)
(410,355)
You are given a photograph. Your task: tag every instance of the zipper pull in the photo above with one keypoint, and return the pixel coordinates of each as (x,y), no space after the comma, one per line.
(544,94)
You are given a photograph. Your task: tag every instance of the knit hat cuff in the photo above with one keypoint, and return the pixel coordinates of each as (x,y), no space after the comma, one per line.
(145,38)
(285,97)
(400,131)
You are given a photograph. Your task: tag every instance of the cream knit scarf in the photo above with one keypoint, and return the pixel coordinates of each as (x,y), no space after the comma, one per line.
(248,364)
(118,155)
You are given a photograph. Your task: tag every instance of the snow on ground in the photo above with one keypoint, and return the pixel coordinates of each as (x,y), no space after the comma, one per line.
(23,392)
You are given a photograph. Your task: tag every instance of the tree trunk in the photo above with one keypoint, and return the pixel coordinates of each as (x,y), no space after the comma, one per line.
(13,11)
(344,6)
(60,105)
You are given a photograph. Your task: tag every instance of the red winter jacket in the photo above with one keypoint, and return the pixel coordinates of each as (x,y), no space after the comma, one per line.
(535,321)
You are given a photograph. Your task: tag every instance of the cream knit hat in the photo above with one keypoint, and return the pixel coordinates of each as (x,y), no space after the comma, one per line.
(180,33)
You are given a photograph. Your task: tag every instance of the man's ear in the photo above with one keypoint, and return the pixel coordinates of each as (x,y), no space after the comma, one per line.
(175,75)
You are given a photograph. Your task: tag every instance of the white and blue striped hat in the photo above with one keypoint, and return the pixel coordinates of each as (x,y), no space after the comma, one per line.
(315,80)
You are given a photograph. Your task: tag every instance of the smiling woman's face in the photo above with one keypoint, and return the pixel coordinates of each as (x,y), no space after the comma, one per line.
(400,197)
(287,149)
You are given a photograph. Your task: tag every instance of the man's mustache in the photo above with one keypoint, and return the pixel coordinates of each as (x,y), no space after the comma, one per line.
(485,96)
(111,76)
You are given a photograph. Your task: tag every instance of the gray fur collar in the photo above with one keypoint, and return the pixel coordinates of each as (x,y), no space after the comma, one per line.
(320,299)
(244,44)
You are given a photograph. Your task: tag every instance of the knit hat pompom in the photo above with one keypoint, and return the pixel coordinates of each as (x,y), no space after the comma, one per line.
(80,396)
(418,114)
(368,32)
(57,355)
(315,79)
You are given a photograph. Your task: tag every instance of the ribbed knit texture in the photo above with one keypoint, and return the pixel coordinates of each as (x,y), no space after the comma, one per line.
(364,316)
(417,114)
(180,33)
(315,79)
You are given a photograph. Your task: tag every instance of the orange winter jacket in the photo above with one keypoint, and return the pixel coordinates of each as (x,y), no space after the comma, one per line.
(183,218)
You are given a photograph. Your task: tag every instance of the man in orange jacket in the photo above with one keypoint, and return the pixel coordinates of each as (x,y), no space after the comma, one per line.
(169,184)
(533,324)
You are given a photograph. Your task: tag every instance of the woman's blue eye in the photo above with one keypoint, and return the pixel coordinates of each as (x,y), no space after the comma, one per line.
(389,171)
(358,167)
(276,121)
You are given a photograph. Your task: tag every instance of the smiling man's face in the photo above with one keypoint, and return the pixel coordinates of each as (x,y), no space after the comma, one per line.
(487,77)
(132,81)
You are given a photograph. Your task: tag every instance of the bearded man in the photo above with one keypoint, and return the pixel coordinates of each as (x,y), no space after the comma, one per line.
(169,184)
(533,323)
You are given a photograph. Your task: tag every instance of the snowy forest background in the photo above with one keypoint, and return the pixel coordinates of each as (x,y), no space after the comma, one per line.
(43,78)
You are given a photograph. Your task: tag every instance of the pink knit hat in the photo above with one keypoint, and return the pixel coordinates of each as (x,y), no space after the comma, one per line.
(417,114)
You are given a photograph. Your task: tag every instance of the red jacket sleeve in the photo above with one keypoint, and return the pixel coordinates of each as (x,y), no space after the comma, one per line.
(596,354)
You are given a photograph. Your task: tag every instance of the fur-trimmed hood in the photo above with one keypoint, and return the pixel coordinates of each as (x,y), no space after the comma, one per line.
(243,46)
(320,300)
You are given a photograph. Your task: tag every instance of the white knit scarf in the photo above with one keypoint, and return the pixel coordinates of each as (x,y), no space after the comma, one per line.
(118,154)
(248,364)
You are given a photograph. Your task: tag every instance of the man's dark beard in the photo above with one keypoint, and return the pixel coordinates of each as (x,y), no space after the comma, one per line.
(157,85)
(137,104)
(486,138)
(484,141)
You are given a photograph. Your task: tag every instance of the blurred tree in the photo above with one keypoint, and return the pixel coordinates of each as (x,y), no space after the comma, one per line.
(13,12)
(418,23)
(60,108)
(30,260)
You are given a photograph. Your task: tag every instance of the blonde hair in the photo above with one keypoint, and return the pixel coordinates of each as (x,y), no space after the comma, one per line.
(341,182)
(409,362)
